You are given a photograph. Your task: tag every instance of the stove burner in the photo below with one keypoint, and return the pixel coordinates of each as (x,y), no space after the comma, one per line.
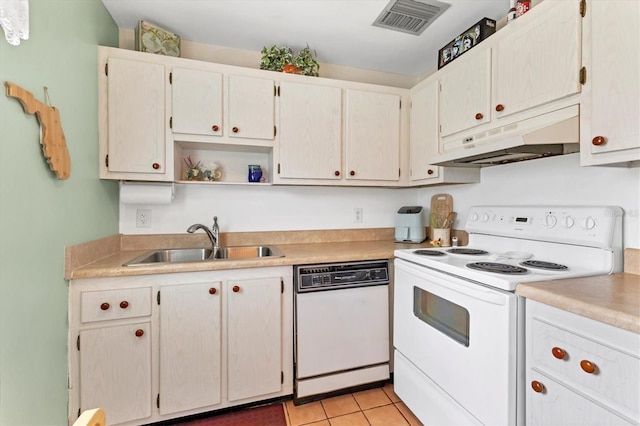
(473,252)
(429,253)
(499,268)
(550,266)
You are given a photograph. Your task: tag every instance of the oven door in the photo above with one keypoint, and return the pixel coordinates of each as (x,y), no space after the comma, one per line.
(462,336)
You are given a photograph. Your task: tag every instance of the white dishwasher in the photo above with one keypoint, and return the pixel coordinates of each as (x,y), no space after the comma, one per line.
(341,328)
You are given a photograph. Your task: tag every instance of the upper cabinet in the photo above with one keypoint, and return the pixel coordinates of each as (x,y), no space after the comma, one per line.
(196,101)
(423,138)
(251,108)
(133,123)
(372,135)
(609,124)
(465,93)
(539,61)
(310,142)
(341,134)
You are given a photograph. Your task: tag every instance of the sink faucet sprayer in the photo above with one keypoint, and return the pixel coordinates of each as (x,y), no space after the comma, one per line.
(213,234)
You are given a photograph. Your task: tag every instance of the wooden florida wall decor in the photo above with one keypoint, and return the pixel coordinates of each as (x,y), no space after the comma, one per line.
(54,145)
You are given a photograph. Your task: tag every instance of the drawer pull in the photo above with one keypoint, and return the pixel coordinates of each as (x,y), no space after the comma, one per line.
(215,128)
(105,306)
(212,290)
(537,386)
(124,304)
(236,288)
(337,173)
(430,171)
(139,332)
(599,140)
(499,107)
(235,130)
(479,116)
(155,166)
(588,366)
(558,353)
(352,173)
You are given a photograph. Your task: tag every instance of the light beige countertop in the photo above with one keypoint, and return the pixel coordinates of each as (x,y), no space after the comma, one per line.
(612,299)
(105,257)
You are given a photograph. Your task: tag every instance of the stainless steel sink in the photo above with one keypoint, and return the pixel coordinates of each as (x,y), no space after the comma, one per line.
(202,255)
(246,252)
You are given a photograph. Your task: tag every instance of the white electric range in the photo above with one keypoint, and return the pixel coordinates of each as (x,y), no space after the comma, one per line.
(458,324)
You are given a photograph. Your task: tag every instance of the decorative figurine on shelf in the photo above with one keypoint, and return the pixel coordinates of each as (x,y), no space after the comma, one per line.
(210,172)
(436,243)
(193,169)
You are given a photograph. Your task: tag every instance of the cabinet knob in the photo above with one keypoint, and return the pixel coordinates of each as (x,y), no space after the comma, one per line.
(337,173)
(124,304)
(352,173)
(430,171)
(599,140)
(236,288)
(155,166)
(215,128)
(139,332)
(104,306)
(235,130)
(479,116)
(212,290)
(537,386)
(558,353)
(499,107)
(587,366)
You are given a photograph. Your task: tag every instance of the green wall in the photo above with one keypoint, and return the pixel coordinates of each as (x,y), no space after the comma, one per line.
(39,214)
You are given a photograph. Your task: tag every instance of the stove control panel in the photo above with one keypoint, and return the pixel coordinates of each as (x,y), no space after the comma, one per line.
(596,226)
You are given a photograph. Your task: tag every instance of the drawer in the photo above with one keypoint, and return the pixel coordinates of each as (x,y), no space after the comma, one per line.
(108,305)
(570,356)
(554,404)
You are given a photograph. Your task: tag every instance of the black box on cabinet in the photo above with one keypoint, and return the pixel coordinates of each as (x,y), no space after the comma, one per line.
(466,41)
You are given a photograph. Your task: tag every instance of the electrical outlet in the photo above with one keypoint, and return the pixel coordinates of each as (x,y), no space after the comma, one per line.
(143,218)
(357,215)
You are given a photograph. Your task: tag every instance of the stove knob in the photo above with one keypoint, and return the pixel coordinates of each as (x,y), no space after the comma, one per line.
(485,217)
(568,222)
(549,221)
(474,217)
(589,223)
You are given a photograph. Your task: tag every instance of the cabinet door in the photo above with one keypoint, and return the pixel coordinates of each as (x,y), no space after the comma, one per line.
(254,337)
(196,100)
(611,104)
(372,133)
(136,111)
(540,61)
(559,405)
(115,371)
(310,131)
(251,107)
(190,351)
(465,93)
(424,131)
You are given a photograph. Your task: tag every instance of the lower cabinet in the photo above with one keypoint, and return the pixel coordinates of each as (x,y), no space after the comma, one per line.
(579,371)
(190,346)
(156,347)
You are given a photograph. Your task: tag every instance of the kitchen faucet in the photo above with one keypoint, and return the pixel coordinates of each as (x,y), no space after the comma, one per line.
(213,233)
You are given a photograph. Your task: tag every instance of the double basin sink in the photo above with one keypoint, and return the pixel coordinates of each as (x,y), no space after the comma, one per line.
(204,255)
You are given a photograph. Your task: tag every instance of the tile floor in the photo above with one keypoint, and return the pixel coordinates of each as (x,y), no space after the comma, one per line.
(373,407)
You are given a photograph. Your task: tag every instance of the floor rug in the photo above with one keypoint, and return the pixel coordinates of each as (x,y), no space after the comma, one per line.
(266,415)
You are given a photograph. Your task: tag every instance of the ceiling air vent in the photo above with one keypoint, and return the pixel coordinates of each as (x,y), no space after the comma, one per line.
(410,16)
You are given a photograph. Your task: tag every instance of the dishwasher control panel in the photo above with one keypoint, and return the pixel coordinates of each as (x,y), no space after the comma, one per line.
(333,276)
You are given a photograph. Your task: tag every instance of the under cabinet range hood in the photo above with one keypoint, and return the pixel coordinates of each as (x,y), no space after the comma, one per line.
(553,133)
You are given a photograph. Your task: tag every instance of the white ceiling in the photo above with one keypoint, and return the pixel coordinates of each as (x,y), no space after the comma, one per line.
(340,31)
